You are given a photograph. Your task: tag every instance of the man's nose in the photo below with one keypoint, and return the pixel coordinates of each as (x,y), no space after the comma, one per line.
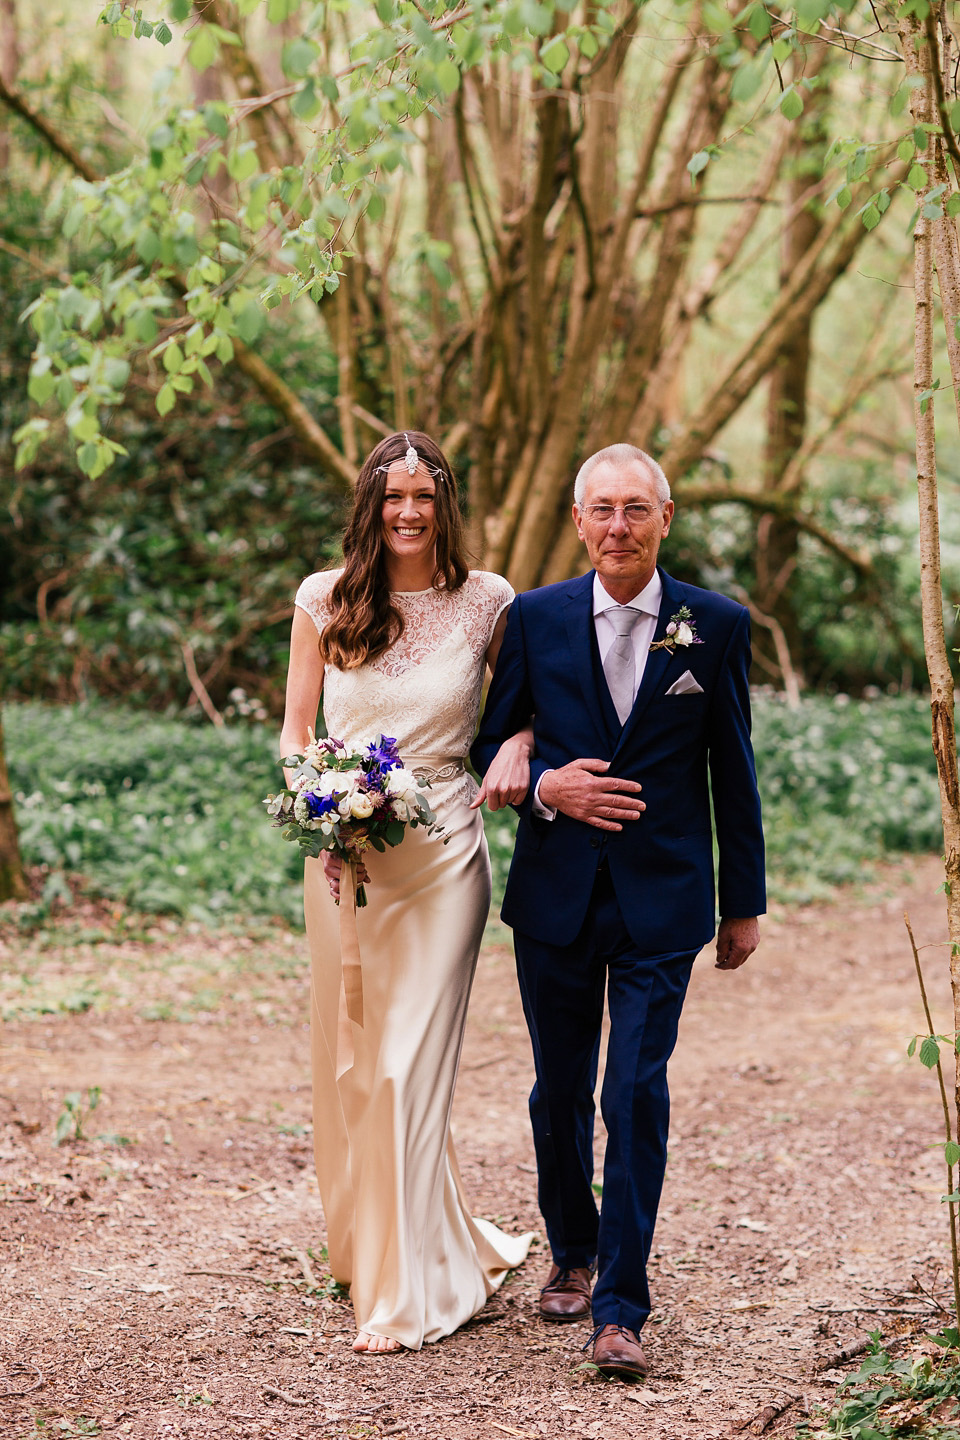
(618,521)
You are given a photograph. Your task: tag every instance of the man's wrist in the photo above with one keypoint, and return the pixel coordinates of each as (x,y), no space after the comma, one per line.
(541,808)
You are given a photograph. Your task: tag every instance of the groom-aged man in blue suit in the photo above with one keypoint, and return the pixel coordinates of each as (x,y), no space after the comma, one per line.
(637,685)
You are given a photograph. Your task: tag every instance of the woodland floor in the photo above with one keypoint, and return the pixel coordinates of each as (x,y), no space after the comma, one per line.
(154,1288)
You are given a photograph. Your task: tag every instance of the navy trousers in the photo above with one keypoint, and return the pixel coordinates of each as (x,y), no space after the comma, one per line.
(562,988)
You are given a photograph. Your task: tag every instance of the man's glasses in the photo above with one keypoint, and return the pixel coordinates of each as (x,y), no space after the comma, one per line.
(634,514)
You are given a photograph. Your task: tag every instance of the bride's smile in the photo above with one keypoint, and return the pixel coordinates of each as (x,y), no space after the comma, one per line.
(409,523)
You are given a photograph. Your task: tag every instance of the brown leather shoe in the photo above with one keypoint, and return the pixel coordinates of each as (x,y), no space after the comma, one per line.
(617,1351)
(566,1295)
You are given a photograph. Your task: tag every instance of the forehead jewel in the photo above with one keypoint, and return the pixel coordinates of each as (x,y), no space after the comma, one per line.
(411,458)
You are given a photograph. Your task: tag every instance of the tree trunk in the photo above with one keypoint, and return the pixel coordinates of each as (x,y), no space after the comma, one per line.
(9,65)
(12,884)
(919,59)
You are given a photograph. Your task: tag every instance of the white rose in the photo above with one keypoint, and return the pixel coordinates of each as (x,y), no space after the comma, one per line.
(684,634)
(399,809)
(400,781)
(361,806)
(328,782)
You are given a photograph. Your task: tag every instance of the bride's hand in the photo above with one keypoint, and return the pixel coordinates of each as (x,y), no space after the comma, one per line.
(508,778)
(332,868)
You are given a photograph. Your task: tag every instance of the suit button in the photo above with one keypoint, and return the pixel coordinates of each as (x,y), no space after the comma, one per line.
(595,841)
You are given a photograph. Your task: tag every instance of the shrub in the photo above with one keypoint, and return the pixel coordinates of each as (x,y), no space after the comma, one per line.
(167,815)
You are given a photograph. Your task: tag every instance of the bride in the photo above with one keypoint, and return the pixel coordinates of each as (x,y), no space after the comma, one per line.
(397,641)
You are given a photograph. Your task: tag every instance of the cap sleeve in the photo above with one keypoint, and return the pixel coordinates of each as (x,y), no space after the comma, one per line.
(314,594)
(491,595)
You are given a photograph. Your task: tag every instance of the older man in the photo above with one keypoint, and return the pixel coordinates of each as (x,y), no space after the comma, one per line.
(637,685)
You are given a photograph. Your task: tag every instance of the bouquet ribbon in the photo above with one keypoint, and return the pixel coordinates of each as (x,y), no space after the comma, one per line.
(351,975)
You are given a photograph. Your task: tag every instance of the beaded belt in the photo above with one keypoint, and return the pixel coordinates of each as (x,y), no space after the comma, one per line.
(434,767)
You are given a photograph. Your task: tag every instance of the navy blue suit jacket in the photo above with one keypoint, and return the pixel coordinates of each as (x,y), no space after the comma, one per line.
(661,864)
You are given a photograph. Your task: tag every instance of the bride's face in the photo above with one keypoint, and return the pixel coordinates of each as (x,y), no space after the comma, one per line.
(409,519)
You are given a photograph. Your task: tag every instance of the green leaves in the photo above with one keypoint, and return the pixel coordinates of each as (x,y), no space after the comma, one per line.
(555,55)
(203,48)
(298,57)
(400,60)
(791,105)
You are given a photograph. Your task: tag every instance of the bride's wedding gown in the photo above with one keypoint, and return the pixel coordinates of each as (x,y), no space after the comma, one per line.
(399,1230)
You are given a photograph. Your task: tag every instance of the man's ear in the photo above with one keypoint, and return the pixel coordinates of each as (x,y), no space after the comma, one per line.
(576,519)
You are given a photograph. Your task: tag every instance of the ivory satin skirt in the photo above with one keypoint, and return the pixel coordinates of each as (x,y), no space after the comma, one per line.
(399,1232)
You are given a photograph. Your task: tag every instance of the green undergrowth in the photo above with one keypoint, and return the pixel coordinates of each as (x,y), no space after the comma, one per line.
(166,815)
(890,1399)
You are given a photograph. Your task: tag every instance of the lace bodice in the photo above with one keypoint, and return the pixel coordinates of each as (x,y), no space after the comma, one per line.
(424,690)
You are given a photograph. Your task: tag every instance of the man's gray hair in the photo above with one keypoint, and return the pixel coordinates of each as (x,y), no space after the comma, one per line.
(622,457)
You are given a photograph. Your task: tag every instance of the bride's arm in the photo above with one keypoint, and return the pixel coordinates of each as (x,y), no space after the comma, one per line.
(508,778)
(304,687)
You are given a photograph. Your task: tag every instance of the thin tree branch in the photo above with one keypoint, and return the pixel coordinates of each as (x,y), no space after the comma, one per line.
(947,1127)
(197,685)
(933,40)
(279,393)
(24,255)
(791,684)
(54,139)
(767,502)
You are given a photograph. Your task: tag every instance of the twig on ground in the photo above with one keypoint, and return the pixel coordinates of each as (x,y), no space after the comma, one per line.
(303,1260)
(862,1346)
(867,1310)
(282,1395)
(932,1298)
(253,1190)
(765,1416)
(23,1365)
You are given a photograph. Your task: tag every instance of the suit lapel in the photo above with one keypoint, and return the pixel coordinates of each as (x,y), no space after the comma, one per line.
(658,661)
(578,616)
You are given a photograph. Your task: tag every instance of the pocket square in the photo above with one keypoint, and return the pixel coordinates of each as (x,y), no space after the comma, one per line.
(686,685)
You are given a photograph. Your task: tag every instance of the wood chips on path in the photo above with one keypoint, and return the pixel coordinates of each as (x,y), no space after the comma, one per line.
(174,1285)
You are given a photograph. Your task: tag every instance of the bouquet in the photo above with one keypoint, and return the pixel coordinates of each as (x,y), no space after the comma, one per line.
(348,803)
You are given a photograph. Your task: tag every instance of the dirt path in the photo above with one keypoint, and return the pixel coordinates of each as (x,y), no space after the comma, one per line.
(154,1288)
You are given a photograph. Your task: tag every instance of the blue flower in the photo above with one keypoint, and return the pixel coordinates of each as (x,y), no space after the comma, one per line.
(382,755)
(320,805)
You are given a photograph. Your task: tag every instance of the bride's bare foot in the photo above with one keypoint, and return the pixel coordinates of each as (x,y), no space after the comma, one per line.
(376,1344)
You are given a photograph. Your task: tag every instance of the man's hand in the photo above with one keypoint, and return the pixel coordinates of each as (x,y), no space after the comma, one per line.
(736,942)
(332,868)
(584,791)
(508,778)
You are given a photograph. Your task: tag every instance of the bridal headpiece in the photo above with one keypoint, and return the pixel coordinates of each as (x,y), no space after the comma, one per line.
(411,458)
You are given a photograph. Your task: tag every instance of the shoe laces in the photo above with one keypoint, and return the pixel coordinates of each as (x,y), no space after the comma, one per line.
(562,1278)
(623,1330)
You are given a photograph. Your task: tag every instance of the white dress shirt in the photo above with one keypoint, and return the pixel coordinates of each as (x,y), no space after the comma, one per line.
(648,603)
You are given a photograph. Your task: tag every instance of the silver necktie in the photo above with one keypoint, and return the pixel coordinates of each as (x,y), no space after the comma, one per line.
(619,665)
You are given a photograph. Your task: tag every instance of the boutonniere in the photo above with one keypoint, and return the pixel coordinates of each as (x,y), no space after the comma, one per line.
(681,630)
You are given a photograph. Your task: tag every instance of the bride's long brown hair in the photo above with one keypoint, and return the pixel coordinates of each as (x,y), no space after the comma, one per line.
(364,623)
